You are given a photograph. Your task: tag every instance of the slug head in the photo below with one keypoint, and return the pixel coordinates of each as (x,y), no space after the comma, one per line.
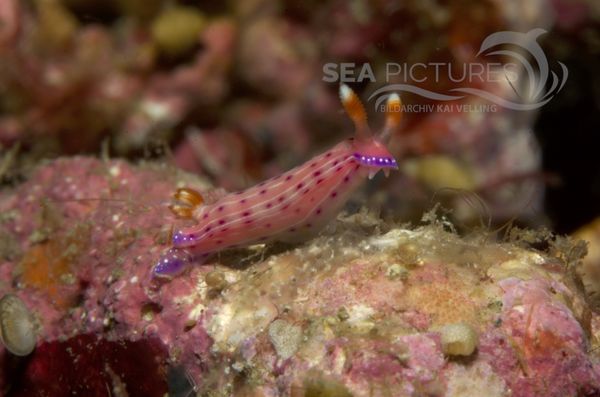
(370,150)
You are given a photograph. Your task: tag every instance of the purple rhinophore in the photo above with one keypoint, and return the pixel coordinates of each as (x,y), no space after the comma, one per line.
(376,161)
(172,263)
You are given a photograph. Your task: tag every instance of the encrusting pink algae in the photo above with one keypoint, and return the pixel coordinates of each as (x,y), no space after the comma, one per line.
(368,308)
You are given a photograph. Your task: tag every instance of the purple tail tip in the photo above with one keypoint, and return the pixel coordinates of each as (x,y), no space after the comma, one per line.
(172,263)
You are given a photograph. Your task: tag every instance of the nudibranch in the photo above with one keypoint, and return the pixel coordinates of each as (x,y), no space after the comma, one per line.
(289,207)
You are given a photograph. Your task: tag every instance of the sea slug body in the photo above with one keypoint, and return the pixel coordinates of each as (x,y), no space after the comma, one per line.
(288,207)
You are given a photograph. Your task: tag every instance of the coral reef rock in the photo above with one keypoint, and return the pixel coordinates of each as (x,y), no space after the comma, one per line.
(367,308)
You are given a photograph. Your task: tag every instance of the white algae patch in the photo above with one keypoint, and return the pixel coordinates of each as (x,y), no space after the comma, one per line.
(359,317)
(478,379)
(285,338)
(236,322)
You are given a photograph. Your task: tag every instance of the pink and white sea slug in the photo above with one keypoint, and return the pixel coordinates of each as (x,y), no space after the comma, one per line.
(288,207)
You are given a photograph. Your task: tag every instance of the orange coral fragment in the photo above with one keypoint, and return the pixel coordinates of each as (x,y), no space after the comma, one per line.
(43,267)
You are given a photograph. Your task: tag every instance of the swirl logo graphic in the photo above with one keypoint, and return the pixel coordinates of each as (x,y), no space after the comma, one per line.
(533,82)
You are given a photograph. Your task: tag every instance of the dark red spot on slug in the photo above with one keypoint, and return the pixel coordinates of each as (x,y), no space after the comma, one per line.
(280,199)
(328,155)
(222,222)
(221,208)
(269,205)
(319,210)
(246,213)
(205,216)
(316,173)
(320,180)
(299,186)
(289,177)
(243,201)
(334,194)
(338,169)
(263,191)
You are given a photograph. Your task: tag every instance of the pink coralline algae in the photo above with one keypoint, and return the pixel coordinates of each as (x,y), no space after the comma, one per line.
(551,343)
(361,310)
